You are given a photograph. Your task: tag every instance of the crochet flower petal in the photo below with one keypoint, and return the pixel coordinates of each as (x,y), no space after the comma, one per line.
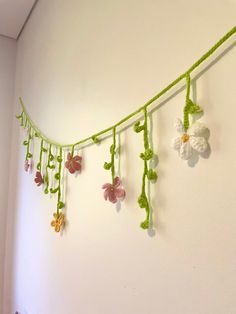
(71,169)
(117,182)
(185,151)
(198,143)
(26,165)
(69,156)
(179,126)
(107,186)
(197,129)
(112,197)
(77,158)
(176,143)
(120,193)
(76,165)
(67,164)
(105,194)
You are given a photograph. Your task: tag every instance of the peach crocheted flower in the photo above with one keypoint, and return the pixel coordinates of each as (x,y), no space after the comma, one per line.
(114,191)
(28,165)
(73,164)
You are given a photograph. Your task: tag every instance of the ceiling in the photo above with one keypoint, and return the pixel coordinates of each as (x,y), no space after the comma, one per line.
(13,16)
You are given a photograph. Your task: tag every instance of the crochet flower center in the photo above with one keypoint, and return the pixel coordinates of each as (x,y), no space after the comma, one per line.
(185,137)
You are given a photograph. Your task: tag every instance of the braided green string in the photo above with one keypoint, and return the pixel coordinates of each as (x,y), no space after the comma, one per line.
(72,150)
(149,174)
(20,117)
(147,155)
(60,204)
(46,178)
(39,165)
(95,137)
(111,164)
(27,143)
(186,108)
(113,152)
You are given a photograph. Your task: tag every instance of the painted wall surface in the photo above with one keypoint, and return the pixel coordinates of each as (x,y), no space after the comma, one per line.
(7,75)
(81,66)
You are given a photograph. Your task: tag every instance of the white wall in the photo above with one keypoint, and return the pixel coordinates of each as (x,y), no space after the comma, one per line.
(7,74)
(81,66)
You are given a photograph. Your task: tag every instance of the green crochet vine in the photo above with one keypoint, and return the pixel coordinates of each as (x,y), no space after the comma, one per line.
(111,165)
(50,171)
(96,137)
(148,173)
(190,107)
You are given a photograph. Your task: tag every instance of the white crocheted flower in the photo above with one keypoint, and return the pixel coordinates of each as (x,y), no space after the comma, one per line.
(193,139)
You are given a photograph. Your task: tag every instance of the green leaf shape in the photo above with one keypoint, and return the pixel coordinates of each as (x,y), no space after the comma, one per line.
(38,166)
(25,143)
(112,149)
(142,201)
(107,165)
(60,205)
(193,108)
(137,127)
(57,176)
(46,180)
(44,150)
(29,155)
(36,134)
(53,191)
(147,155)
(51,157)
(59,159)
(19,116)
(96,140)
(51,166)
(151,175)
(144,224)
(46,190)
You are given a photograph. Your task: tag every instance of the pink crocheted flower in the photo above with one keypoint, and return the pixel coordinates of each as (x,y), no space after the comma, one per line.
(28,165)
(114,191)
(38,178)
(73,164)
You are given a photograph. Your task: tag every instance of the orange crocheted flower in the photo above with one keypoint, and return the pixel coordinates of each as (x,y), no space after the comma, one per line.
(58,222)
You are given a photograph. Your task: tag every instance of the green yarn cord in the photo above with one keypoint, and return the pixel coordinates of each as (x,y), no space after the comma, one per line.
(186,107)
(60,204)
(111,164)
(113,152)
(95,137)
(72,150)
(27,143)
(39,165)
(146,155)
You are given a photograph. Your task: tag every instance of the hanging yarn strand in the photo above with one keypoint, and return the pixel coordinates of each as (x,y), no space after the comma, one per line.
(114,191)
(149,174)
(111,165)
(59,218)
(113,152)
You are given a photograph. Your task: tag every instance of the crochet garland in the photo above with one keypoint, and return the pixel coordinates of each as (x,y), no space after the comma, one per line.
(52,161)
